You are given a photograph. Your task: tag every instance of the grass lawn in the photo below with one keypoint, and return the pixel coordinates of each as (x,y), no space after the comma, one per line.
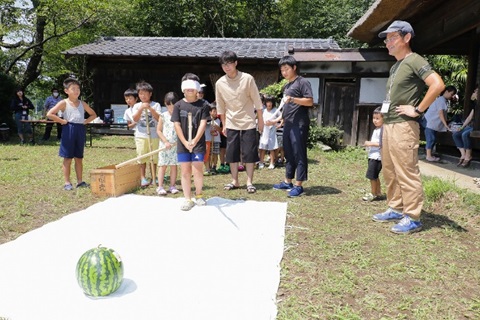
(337,264)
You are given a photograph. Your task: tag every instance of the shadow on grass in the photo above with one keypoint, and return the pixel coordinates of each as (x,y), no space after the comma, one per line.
(433,220)
(309,191)
(321,190)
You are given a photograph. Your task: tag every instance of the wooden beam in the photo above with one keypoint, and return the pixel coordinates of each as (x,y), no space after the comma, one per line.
(445,22)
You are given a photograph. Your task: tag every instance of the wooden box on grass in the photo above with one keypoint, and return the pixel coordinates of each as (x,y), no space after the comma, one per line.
(108,181)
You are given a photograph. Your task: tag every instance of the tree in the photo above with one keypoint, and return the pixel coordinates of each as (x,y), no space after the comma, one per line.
(32,32)
(322,19)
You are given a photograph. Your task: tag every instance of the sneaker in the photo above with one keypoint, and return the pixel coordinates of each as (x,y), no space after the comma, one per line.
(145,182)
(406,226)
(82,184)
(161,191)
(369,197)
(187,205)
(387,216)
(283,186)
(206,173)
(68,187)
(261,166)
(271,166)
(200,201)
(173,190)
(296,191)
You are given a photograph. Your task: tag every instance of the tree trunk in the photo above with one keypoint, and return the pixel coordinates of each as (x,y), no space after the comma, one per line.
(33,67)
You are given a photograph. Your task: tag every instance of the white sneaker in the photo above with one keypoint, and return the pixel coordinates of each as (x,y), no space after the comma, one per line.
(261,166)
(271,166)
(161,191)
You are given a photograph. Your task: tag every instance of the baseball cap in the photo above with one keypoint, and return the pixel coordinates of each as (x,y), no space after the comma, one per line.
(397,25)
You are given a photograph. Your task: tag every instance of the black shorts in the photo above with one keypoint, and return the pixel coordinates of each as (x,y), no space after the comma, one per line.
(223,141)
(374,168)
(242,145)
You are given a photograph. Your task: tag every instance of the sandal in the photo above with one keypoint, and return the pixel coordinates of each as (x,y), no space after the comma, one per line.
(433,159)
(465,163)
(187,205)
(460,162)
(251,189)
(230,186)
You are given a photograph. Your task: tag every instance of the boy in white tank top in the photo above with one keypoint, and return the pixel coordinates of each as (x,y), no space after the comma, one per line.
(73,132)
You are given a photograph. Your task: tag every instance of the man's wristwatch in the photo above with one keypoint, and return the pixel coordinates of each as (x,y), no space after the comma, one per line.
(418,111)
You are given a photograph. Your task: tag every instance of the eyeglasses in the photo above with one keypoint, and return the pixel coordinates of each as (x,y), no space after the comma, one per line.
(392,38)
(227,64)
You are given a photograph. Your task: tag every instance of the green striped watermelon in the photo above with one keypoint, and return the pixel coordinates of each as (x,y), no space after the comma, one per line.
(99,272)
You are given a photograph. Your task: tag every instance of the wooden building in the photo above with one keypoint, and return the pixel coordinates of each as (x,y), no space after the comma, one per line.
(441,27)
(346,82)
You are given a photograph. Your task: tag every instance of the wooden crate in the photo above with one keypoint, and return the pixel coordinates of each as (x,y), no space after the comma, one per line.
(108,181)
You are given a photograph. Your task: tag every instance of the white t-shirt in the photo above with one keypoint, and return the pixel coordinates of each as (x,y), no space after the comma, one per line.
(208,135)
(141,127)
(128,116)
(374,152)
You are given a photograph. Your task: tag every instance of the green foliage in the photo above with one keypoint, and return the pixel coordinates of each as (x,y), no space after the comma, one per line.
(48,27)
(275,89)
(436,188)
(331,136)
(206,18)
(454,71)
(322,19)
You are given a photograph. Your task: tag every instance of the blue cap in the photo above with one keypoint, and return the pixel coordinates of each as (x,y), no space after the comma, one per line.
(396,26)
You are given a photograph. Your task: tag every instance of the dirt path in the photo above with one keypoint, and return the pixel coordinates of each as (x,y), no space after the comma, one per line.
(462,177)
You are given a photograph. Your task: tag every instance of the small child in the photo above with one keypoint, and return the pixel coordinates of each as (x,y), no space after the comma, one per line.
(190,117)
(74,132)
(131,97)
(224,166)
(168,137)
(212,140)
(145,115)
(374,158)
(216,133)
(268,139)
(280,153)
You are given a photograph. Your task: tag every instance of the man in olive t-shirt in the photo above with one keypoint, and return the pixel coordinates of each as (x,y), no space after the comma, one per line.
(401,131)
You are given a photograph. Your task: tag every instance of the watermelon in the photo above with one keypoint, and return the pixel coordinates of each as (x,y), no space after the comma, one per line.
(99,271)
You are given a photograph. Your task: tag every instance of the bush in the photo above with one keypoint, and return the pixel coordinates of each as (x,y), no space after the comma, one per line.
(275,89)
(331,136)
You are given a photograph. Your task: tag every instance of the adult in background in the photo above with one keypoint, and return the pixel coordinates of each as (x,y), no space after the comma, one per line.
(298,99)
(50,102)
(21,105)
(462,136)
(237,98)
(401,130)
(436,120)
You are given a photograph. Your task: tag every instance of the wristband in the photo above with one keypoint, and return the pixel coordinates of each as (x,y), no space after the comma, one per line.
(418,111)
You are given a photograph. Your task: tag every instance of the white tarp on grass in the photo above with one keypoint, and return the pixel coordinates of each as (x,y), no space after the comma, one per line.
(221,261)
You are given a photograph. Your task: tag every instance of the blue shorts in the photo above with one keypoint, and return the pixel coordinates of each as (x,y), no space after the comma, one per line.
(190,157)
(73,140)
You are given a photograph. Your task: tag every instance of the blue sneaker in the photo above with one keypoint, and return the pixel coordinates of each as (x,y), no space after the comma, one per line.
(68,187)
(387,216)
(296,191)
(406,226)
(283,186)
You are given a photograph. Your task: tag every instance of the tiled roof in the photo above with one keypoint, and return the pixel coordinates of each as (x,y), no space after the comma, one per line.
(197,47)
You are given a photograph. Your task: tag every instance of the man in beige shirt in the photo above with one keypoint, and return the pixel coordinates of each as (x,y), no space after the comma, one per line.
(237,99)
